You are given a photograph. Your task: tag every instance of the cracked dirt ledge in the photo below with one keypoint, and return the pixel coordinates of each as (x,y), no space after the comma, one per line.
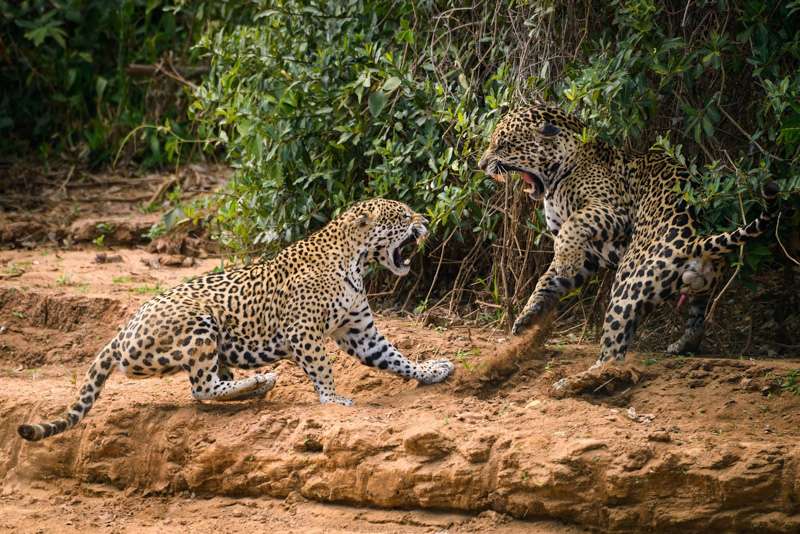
(372,455)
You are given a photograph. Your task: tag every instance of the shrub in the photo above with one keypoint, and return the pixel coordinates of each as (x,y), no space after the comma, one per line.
(321,104)
(64,87)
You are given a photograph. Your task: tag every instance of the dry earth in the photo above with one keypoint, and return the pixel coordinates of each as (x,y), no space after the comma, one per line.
(667,445)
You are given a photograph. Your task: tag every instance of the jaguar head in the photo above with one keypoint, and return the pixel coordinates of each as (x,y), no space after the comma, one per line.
(529,141)
(390,228)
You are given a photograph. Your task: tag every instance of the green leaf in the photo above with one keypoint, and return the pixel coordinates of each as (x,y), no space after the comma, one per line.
(392,84)
(174,216)
(100,86)
(377,101)
(708,128)
(37,36)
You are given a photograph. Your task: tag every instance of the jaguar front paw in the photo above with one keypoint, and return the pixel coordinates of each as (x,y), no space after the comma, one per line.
(338,399)
(530,316)
(433,371)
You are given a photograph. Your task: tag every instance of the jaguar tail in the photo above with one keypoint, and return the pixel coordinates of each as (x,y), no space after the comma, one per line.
(90,389)
(720,244)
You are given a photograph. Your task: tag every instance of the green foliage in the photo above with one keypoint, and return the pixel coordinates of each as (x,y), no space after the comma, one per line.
(719,81)
(64,88)
(105,228)
(791,382)
(322,104)
(155,231)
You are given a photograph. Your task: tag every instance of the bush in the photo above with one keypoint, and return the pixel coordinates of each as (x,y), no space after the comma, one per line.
(321,104)
(64,89)
(716,85)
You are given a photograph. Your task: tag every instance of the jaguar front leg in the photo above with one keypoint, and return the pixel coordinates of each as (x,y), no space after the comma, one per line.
(549,290)
(361,339)
(596,221)
(310,354)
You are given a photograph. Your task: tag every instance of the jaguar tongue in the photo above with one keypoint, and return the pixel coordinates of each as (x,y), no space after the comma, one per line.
(397,258)
(528,178)
(397,255)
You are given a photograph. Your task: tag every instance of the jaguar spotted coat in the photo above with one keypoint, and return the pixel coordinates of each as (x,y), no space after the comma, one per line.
(279,308)
(609,208)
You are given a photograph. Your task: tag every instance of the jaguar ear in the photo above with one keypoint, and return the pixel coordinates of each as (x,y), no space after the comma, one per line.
(361,219)
(549,130)
(364,219)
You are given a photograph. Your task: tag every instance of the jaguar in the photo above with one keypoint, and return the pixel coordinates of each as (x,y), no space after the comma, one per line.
(278,308)
(607,207)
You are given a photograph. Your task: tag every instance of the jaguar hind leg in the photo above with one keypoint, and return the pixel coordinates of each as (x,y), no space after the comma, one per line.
(211,379)
(634,294)
(695,328)
(226,375)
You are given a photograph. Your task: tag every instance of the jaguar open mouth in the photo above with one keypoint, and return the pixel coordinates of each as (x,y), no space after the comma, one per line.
(537,187)
(397,255)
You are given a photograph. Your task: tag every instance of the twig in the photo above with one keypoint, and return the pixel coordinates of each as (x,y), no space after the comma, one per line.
(162,189)
(784,345)
(749,336)
(152,70)
(777,225)
(64,183)
(598,388)
(749,137)
(436,274)
(509,308)
(710,316)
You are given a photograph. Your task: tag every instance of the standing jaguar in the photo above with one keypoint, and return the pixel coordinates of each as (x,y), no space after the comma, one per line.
(609,208)
(275,309)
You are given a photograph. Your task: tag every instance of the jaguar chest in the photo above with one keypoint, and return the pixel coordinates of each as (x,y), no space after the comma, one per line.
(555,213)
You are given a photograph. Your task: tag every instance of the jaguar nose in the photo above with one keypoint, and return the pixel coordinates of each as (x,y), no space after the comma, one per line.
(426,223)
(483,164)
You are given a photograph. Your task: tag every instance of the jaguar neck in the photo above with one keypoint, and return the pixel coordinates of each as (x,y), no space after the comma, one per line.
(351,254)
(556,173)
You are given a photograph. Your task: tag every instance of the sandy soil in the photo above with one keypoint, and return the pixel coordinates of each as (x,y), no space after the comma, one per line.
(668,444)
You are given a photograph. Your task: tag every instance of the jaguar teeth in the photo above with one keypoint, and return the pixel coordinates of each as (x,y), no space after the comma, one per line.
(406,263)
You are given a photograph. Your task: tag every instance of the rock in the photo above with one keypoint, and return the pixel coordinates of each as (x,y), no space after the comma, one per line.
(426,442)
(662,437)
(121,232)
(471,417)
(295,497)
(102,257)
(478,447)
